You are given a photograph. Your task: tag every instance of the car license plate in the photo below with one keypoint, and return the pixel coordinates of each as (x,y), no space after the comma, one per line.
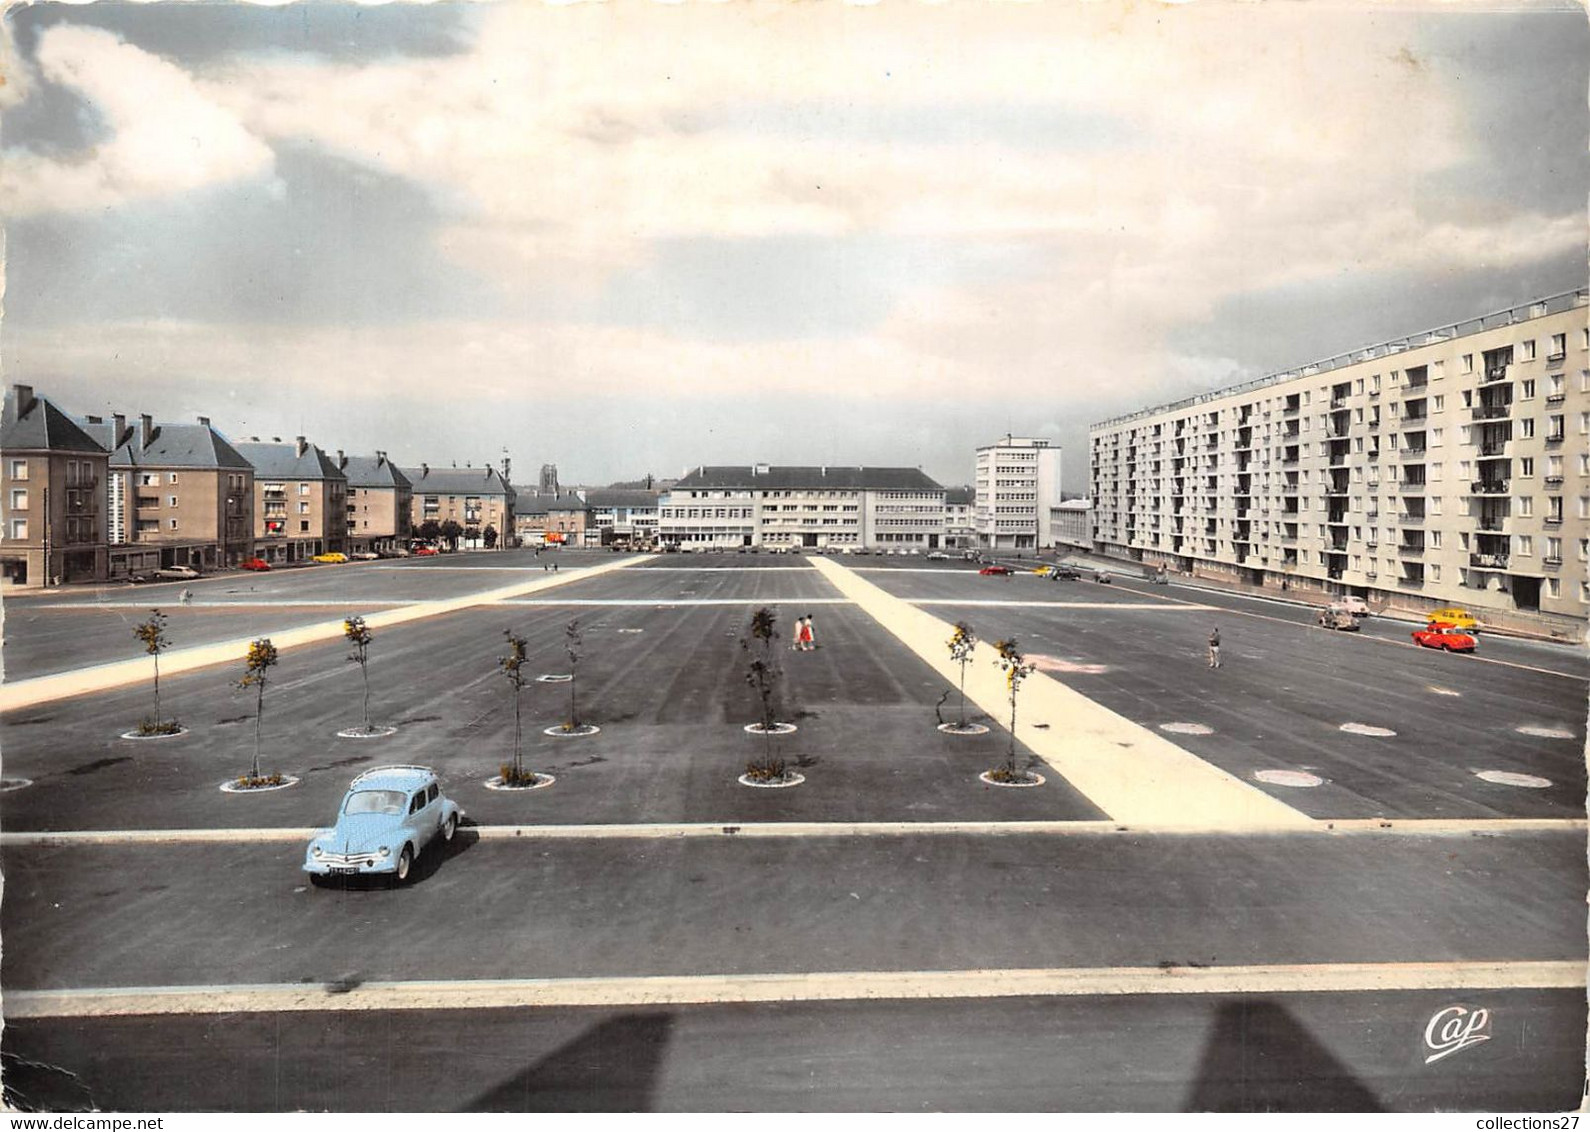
(344,872)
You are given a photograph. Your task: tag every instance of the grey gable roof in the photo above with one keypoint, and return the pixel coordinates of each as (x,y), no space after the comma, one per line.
(282,461)
(961,496)
(43,427)
(814,478)
(102,432)
(373,471)
(191,446)
(458,481)
(620,497)
(534,502)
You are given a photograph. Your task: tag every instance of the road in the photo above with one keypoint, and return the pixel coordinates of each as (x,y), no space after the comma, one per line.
(1170,922)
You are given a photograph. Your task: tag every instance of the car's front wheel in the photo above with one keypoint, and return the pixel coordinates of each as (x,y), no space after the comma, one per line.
(405,862)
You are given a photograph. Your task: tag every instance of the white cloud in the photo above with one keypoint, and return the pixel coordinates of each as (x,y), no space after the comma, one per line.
(166,137)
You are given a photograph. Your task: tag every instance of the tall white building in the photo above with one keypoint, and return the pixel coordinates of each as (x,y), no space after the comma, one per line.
(1450,467)
(1017,482)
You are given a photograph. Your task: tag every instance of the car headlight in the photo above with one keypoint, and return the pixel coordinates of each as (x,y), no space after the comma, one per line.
(314,850)
(384,851)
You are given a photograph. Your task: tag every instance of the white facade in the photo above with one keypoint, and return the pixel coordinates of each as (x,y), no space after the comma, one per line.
(1017,483)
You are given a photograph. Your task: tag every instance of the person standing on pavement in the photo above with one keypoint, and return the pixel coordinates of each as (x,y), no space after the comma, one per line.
(811,634)
(1214,647)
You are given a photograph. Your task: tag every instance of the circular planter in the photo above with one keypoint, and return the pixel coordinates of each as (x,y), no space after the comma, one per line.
(1299,778)
(9,784)
(1508,778)
(1034,780)
(1545,732)
(1368,729)
(138,736)
(776,729)
(553,678)
(571,732)
(963,729)
(791,778)
(361,733)
(234,787)
(1187,728)
(541,783)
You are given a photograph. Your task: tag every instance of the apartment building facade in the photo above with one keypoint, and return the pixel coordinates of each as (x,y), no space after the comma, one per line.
(53,491)
(1017,481)
(622,516)
(178,495)
(300,501)
(380,503)
(960,525)
(1447,467)
(474,498)
(802,507)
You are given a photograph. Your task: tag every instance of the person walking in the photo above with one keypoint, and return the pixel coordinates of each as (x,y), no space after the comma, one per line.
(799,643)
(1214,647)
(811,634)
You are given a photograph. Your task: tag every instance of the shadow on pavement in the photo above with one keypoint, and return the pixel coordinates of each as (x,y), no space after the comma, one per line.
(1258,1058)
(612,1067)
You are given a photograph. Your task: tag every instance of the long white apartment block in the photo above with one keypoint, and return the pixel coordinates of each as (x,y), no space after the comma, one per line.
(1451,467)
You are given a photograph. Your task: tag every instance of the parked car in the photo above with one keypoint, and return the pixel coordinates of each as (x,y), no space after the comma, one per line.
(365,556)
(392,552)
(1334,617)
(177,574)
(331,556)
(256,564)
(1357,606)
(1445,637)
(1103,576)
(996,569)
(387,818)
(1064,573)
(937,556)
(424,551)
(1455,617)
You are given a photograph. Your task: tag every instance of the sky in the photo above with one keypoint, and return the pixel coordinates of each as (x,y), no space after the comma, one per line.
(628,238)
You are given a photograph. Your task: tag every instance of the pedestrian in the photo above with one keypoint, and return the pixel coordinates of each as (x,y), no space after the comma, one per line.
(554,567)
(187,597)
(811,634)
(1214,647)
(799,643)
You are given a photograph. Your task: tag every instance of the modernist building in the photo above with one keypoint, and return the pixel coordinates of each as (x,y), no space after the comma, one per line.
(813,507)
(380,503)
(1017,482)
(1448,467)
(300,501)
(53,484)
(622,516)
(474,498)
(179,495)
(1071,524)
(960,524)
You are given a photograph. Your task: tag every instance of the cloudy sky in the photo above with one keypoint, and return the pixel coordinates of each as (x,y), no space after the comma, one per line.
(629,237)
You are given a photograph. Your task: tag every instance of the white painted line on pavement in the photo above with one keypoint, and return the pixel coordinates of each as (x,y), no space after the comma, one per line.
(1131,772)
(1059,604)
(1406,827)
(262,601)
(817,986)
(77,682)
(621,602)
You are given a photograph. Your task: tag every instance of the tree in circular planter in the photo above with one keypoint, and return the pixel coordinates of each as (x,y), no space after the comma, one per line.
(514,774)
(153,635)
(962,644)
(573,644)
(359,636)
(1016,669)
(261,659)
(763,674)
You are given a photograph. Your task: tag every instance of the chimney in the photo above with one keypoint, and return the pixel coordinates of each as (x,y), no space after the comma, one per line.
(302,444)
(342,461)
(146,430)
(117,437)
(205,421)
(25,399)
(276,440)
(425,470)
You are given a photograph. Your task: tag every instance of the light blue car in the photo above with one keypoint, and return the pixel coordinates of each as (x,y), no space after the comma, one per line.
(387,818)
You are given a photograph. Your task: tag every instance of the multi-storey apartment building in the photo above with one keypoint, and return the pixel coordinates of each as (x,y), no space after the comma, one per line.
(1017,481)
(549,515)
(53,484)
(179,495)
(380,503)
(622,516)
(474,498)
(960,526)
(300,501)
(1447,467)
(785,507)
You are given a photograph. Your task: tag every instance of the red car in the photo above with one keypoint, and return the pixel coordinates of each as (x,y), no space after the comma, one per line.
(1445,637)
(256,564)
(994,570)
(423,551)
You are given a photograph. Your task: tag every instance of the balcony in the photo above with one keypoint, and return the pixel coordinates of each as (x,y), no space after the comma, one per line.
(1411,454)
(1488,561)
(1490,487)
(1491,412)
(1552,520)
(1555,437)
(1495,525)
(1410,550)
(1553,481)
(1493,374)
(1493,450)
(1411,487)
(1556,398)
(1415,418)
(1411,518)
(145,502)
(1552,561)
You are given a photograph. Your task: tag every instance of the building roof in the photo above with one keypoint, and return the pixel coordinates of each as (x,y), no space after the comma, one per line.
(815,477)
(960,496)
(534,502)
(457,481)
(620,497)
(29,424)
(1073,505)
(170,446)
(284,461)
(374,471)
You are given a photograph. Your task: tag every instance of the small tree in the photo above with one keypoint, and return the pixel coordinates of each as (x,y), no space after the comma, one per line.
(963,642)
(153,634)
(471,534)
(450,531)
(429,531)
(261,659)
(512,668)
(359,636)
(762,674)
(572,642)
(489,535)
(1016,669)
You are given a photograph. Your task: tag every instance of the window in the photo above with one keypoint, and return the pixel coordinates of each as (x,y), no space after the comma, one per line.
(1435,571)
(1438,402)
(1526,506)
(19,528)
(148,479)
(19,499)
(173,524)
(19,469)
(1437,371)
(1435,436)
(171,477)
(1526,427)
(1584,464)
(1524,546)
(171,500)
(1526,466)
(1553,587)
(1559,346)
(1554,549)
(303,489)
(1526,350)
(1527,393)
(1435,539)
(303,508)
(303,526)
